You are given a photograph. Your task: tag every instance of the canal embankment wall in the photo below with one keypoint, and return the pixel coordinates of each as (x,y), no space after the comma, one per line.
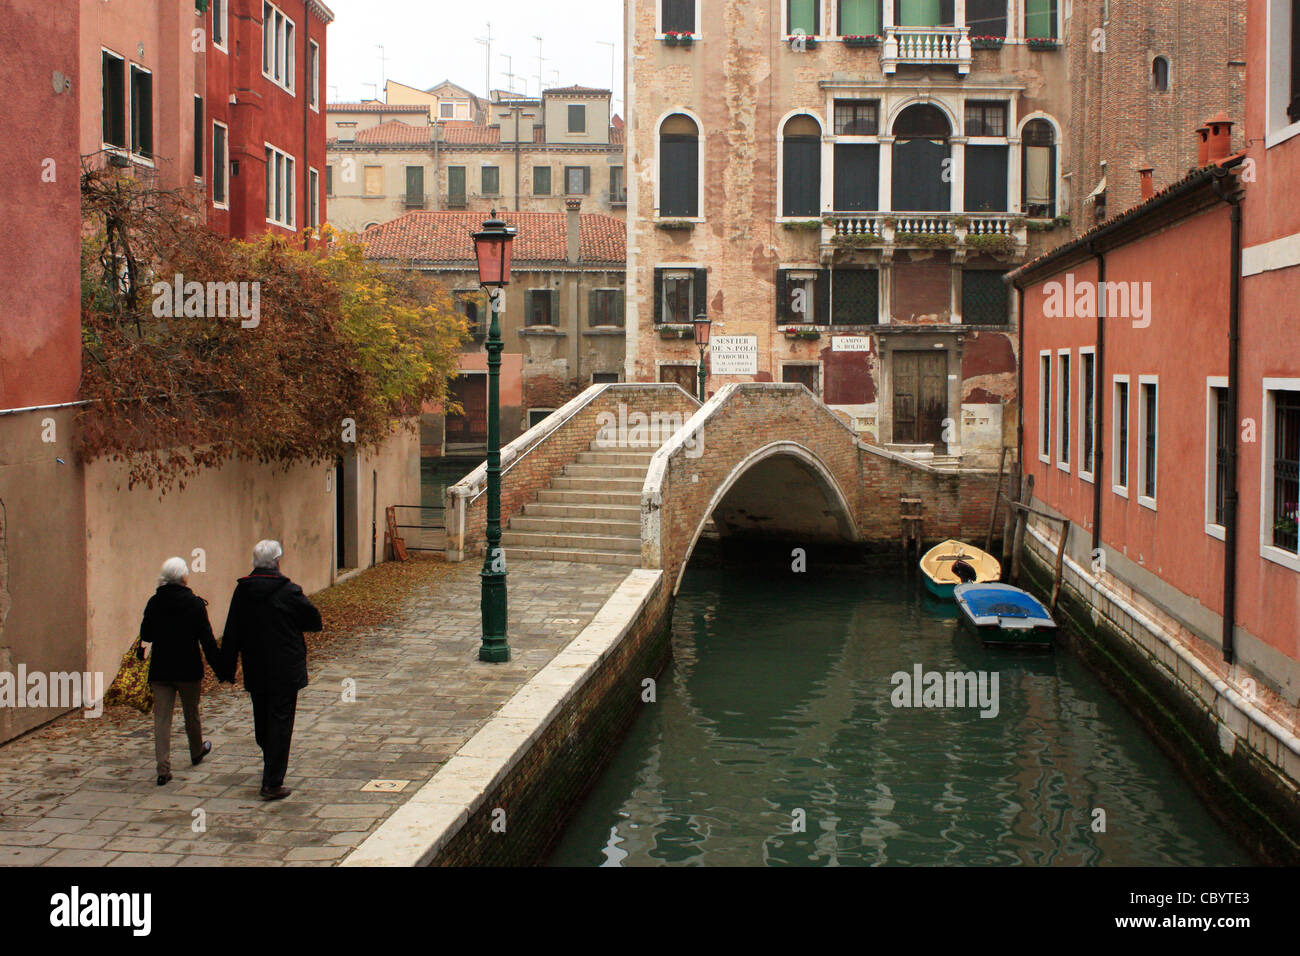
(504,797)
(1237,747)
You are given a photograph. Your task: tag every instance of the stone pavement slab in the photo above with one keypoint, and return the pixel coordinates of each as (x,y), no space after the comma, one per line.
(87,796)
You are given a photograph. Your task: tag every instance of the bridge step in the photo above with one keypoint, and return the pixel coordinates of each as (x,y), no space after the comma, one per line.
(544,509)
(607,471)
(615,456)
(598,485)
(592,542)
(570,496)
(548,524)
(580,555)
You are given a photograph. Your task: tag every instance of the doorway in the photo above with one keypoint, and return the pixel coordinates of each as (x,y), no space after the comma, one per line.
(687,376)
(470,392)
(920,397)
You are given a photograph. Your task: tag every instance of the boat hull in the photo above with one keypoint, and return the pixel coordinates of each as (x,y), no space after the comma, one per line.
(936,564)
(1005,615)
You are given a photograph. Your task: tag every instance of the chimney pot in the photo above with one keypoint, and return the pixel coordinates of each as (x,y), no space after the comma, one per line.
(1148,182)
(1202,146)
(1219,140)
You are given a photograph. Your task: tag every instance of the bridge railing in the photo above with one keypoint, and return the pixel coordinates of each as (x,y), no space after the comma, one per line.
(530,461)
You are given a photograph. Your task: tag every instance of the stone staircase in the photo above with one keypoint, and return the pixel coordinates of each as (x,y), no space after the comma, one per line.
(590,514)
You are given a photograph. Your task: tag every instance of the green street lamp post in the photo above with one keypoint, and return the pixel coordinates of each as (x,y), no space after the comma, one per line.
(702,326)
(493,247)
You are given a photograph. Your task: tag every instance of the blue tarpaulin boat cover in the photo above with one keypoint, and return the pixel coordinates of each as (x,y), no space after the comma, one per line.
(994,603)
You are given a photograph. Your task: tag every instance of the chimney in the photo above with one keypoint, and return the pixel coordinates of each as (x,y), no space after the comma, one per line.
(1148,183)
(574,206)
(1202,146)
(1220,138)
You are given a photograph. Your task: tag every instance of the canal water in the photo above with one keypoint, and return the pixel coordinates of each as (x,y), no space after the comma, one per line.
(778,709)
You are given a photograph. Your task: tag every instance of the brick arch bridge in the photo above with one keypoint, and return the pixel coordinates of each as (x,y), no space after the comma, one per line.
(761,459)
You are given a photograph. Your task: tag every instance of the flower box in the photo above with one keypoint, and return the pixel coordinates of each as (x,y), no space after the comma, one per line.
(803,225)
(675,225)
(1043,43)
(809,42)
(795,333)
(862,41)
(673,38)
(677,332)
(987,43)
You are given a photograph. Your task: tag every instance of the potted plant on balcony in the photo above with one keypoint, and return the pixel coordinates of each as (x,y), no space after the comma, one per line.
(670,331)
(679,38)
(809,42)
(802,225)
(868,40)
(800,332)
(987,43)
(1043,43)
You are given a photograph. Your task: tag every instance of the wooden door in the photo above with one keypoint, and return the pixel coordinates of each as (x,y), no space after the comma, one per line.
(470,428)
(687,376)
(920,397)
(805,375)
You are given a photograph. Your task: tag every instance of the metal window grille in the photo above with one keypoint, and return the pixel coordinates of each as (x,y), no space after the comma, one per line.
(855,297)
(983,298)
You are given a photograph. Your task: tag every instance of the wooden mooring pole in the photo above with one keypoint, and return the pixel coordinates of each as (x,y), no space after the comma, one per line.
(1058,573)
(993,514)
(1022,519)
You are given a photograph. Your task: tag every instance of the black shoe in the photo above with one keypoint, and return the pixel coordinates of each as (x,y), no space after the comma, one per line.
(278,793)
(207,749)
(163,779)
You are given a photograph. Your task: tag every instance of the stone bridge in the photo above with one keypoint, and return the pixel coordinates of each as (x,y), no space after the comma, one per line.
(633,473)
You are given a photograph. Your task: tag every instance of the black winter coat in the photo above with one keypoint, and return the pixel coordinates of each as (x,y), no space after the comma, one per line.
(268,614)
(176,623)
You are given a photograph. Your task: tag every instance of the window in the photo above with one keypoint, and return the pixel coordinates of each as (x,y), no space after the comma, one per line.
(802,17)
(800,373)
(538,415)
(857,117)
(1160,74)
(577,118)
(855,297)
(679,294)
(313,75)
(984,297)
(329,180)
(617,189)
(1288,39)
(987,18)
(414,187)
(277,46)
(538,305)
(605,307)
(141,111)
(1064,382)
(1038,183)
(1148,435)
(491,181)
(313,198)
(541,180)
(577,180)
(923,13)
(373,184)
(1218,438)
(446,110)
(922,182)
(469,303)
(802,167)
(280,208)
(200,124)
(1045,406)
(678,16)
(1281,476)
(456,187)
(220,164)
(679,167)
(114,99)
(857,177)
(1040,19)
(803,295)
(219,23)
(859,18)
(1088,414)
(1119,477)
(986,178)
(986,118)
(604,378)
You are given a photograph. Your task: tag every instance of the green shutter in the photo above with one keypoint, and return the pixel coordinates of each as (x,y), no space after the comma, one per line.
(920,13)
(859,18)
(1040,18)
(803,17)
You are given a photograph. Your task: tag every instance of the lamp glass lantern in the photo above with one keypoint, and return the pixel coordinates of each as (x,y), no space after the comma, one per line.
(494,247)
(702,326)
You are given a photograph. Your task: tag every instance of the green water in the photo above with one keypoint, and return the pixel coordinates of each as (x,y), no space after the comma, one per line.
(778,700)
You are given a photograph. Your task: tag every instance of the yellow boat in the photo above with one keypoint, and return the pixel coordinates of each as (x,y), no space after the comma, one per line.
(952,563)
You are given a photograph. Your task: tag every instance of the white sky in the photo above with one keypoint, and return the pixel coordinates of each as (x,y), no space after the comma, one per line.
(427,41)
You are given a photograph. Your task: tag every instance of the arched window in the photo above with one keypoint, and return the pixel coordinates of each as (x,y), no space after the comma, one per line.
(922,179)
(679,167)
(1039,169)
(1160,74)
(802,167)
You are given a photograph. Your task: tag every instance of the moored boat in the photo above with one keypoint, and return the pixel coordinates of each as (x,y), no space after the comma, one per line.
(1003,614)
(952,563)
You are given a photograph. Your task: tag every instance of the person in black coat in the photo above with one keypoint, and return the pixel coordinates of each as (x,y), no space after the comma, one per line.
(268,614)
(176,624)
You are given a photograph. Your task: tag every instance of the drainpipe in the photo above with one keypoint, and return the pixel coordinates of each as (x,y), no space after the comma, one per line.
(1020,391)
(1099,416)
(1233,199)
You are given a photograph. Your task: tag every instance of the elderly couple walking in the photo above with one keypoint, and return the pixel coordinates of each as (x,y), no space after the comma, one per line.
(264,627)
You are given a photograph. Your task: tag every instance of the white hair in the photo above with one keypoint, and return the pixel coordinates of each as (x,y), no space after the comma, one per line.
(267,554)
(174,571)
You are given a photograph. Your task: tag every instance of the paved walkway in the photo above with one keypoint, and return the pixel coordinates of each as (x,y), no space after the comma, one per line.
(89,798)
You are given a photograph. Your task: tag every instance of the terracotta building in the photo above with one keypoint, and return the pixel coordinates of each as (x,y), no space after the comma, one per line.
(563,324)
(528,155)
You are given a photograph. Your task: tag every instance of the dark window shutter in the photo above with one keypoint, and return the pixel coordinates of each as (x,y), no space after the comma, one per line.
(857,178)
(918,176)
(679,16)
(679,176)
(947,15)
(987,18)
(802,179)
(701,291)
(659,296)
(822,297)
(1053,184)
(986,178)
(783,313)
(1293,107)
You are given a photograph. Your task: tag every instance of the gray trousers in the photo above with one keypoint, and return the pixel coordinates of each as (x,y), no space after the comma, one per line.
(164,704)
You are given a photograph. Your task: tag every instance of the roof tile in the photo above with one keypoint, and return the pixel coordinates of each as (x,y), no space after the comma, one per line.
(542,237)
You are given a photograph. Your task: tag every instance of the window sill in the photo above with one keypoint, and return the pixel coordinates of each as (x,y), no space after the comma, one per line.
(1216,531)
(1045,459)
(276,83)
(1120,491)
(1063,466)
(606,330)
(1276,555)
(220,205)
(542,331)
(1087,476)
(1278,137)
(1148,503)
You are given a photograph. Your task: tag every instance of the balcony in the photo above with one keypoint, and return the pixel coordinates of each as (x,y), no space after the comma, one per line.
(966,233)
(924,46)
(415,201)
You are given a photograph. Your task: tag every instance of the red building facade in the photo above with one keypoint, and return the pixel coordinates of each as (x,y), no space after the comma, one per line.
(264,122)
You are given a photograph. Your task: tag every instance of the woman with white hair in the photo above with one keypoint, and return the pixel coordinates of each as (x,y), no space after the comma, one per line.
(176,624)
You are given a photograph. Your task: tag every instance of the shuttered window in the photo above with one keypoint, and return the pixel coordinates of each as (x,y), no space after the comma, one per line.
(141,111)
(924,13)
(114,105)
(802,181)
(987,18)
(857,177)
(678,16)
(605,307)
(803,296)
(803,17)
(679,177)
(415,187)
(680,295)
(986,178)
(456,187)
(539,307)
(1040,19)
(541,180)
(859,18)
